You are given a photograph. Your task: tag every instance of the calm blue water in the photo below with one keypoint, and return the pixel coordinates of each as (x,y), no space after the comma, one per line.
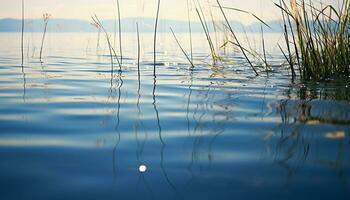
(69,129)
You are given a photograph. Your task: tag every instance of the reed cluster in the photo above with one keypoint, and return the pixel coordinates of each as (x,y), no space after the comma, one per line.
(317,39)
(316,36)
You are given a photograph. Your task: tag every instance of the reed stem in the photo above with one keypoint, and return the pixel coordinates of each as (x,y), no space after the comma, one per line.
(237,41)
(138,51)
(183,51)
(120,34)
(22,36)
(190,29)
(155,41)
(46,18)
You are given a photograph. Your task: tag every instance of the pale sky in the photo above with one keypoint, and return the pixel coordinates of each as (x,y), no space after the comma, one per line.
(106,9)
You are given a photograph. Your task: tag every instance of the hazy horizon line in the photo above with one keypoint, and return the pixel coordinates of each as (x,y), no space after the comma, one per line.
(128,25)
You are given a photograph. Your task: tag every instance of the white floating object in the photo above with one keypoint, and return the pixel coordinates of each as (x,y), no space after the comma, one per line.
(142,168)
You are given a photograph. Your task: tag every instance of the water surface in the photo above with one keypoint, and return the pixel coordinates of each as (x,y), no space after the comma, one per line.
(71,129)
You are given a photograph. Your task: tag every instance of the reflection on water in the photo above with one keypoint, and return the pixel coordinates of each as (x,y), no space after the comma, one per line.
(73,128)
(312,123)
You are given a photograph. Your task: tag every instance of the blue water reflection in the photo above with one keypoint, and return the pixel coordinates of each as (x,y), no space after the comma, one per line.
(71,129)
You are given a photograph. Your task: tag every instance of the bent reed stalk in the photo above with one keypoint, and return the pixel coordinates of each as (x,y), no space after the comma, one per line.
(236,39)
(97,23)
(183,51)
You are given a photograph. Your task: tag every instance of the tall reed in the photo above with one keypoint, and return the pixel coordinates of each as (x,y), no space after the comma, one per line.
(138,52)
(22,36)
(207,34)
(320,38)
(120,34)
(155,40)
(213,23)
(46,18)
(189,29)
(264,50)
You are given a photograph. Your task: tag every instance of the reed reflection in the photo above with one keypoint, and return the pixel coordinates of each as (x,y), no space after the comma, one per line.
(139,127)
(139,123)
(159,127)
(119,86)
(313,119)
(208,124)
(24,84)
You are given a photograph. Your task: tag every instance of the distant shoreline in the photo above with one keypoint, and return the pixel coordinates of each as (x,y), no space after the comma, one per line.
(128,25)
